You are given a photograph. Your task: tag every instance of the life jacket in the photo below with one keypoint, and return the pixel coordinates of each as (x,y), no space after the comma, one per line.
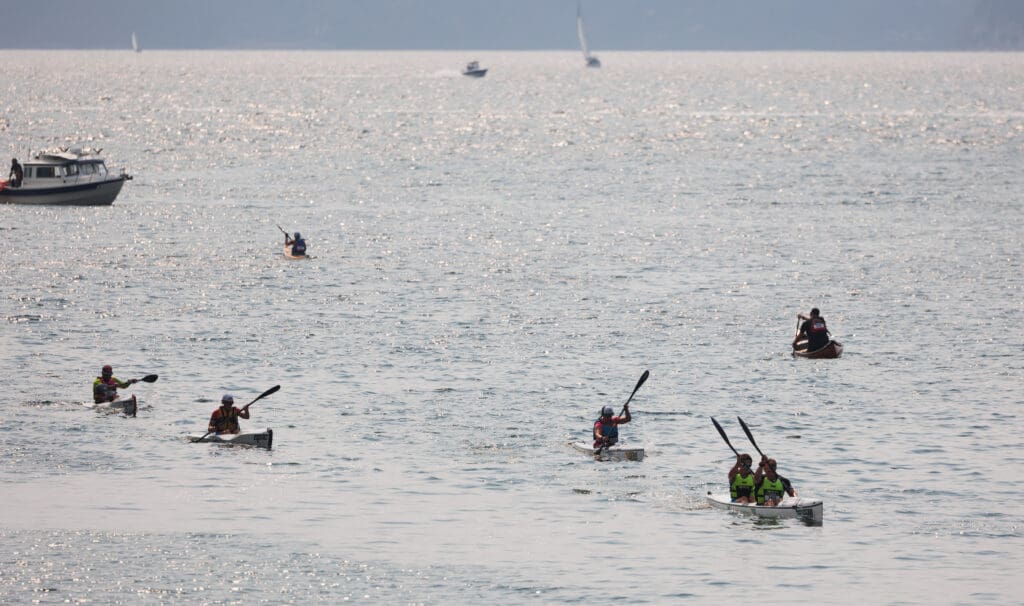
(299,247)
(225,424)
(770,489)
(609,430)
(104,388)
(742,486)
(817,326)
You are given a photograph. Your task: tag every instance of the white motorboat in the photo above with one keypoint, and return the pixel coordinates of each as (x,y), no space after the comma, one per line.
(611,453)
(474,70)
(260,439)
(66,177)
(811,511)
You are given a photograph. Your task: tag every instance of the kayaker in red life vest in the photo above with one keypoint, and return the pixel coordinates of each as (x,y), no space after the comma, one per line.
(606,429)
(225,418)
(771,487)
(814,331)
(104,388)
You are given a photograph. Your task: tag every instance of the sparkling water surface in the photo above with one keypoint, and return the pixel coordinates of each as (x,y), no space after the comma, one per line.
(493,260)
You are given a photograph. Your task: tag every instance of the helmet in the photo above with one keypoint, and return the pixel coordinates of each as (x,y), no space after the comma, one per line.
(298,236)
(227,399)
(107,370)
(607,411)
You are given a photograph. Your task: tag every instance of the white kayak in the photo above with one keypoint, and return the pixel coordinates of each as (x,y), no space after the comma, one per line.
(611,453)
(128,406)
(260,439)
(811,511)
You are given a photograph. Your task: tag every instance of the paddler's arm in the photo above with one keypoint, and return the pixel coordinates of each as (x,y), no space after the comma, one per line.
(628,416)
(244,413)
(788,487)
(735,469)
(212,427)
(759,474)
(598,436)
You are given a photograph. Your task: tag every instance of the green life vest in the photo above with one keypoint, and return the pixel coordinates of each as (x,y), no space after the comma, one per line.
(742,486)
(770,489)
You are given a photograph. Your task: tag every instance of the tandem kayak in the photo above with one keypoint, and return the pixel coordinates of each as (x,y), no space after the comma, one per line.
(128,406)
(811,511)
(834,349)
(261,439)
(288,253)
(611,453)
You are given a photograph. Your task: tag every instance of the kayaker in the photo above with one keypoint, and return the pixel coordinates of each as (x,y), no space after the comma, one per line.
(771,487)
(298,244)
(104,388)
(741,480)
(814,330)
(606,428)
(225,418)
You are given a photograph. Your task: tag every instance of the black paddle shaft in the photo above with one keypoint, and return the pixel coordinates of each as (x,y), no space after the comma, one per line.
(750,436)
(643,379)
(721,432)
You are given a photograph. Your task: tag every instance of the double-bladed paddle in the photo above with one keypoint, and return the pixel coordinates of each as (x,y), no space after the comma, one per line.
(750,436)
(149,379)
(262,395)
(643,379)
(721,432)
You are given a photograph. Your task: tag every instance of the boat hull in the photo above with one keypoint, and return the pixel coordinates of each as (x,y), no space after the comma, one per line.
(262,439)
(810,511)
(475,73)
(100,193)
(611,453)
(834,349)
(128,406)
(288,254)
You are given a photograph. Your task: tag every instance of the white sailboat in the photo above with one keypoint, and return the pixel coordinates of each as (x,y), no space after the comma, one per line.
(135,43)
(591,60)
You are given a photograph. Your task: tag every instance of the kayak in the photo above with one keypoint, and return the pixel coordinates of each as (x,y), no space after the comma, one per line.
(128,406)
(261,439)
(834,349)
(811,511)
(611,453)
(288,253)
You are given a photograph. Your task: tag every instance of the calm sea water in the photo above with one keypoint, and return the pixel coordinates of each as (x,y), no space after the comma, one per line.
(495,260)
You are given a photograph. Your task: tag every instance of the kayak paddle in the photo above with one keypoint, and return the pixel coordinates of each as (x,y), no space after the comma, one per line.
(149,379)
(262,395)
(750,436)
(724,437)
(643,379)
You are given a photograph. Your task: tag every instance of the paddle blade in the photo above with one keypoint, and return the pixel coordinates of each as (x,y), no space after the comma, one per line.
(265,394)
(750,436)
(721,432)
(643,379)
(149,379)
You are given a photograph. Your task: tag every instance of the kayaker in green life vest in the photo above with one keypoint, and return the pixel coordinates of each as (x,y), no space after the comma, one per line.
(104,388)
(771,487)
(741,480)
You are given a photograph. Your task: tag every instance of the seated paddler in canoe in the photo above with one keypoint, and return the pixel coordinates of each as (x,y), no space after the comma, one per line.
(606,427)
(104,388)
(741,480)
(769,487)
(812,334)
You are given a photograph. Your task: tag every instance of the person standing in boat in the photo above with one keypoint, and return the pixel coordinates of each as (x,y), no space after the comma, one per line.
(225,418)
(17,173)
(606,428)
(104,388)
(814,330)
(741,480)
(771,487)
(298,244)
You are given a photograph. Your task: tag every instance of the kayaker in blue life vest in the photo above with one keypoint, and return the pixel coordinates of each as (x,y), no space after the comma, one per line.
(104,388)
(606,428)
(298,244)
(741,480)
(771,487)
(225,418)
(813,330)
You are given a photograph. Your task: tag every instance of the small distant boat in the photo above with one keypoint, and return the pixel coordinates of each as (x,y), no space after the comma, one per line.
(611,453)
(288,254)
(135,43)
(811,511)
(474,70)
(591,60)
(128,406)
(834,349)
(66,177)
(260,439)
